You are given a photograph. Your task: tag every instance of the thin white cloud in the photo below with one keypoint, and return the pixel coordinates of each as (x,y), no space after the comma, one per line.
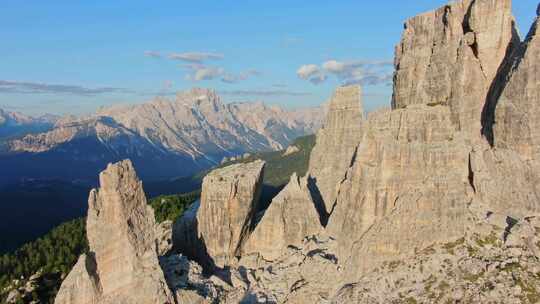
(153,54)
(311,73)
(232,78)
(350,72)
(307,71)
(22,87)
(200,72)
(196,57)
(264,93)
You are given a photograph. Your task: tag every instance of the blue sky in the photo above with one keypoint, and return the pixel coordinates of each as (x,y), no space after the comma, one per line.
(68,56)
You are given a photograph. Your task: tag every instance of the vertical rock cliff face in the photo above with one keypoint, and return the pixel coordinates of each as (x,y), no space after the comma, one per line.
(451,57)
(122,266)
(229,201)
(517,125)
(336,144)
(289,219)
(408,187)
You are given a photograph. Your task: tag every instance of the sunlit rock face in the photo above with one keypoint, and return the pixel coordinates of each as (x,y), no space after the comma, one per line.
(336,144)
(229,201)
(451,57)
(289,219)
(122,266)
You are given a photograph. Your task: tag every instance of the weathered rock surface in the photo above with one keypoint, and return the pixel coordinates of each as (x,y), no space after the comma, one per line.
(82,284)
(122,266)
(229,202)
(290,218)
(488,265)
(517,123)
(336,143)
(451,57)
(408,187)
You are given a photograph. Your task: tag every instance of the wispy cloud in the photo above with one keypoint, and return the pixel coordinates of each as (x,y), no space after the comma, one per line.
(196,57)
(21,87)
(199,72)
(232,78)
(312,73)
(350,72)
(153,54)
(264,93)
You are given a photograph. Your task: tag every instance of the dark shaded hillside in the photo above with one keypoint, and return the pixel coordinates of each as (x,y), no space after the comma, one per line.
(53,255)
(83,159)
(30,209)
(56,252)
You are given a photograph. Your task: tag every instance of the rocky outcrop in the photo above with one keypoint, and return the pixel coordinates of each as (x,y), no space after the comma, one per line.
(451,57)
(336,144)
(488,265)
(290,218)
(229,202)
(122,266)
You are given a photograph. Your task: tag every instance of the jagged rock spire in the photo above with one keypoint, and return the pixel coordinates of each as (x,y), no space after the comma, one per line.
(336,145)
(122,266)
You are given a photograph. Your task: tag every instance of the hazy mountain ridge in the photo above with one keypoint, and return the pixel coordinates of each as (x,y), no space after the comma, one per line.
(13,124)
(164,138)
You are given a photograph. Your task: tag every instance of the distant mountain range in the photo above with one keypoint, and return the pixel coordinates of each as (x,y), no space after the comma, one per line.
(13,124)
(165,138)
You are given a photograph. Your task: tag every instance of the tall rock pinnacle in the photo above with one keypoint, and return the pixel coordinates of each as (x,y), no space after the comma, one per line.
(122,266)
(336,143)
